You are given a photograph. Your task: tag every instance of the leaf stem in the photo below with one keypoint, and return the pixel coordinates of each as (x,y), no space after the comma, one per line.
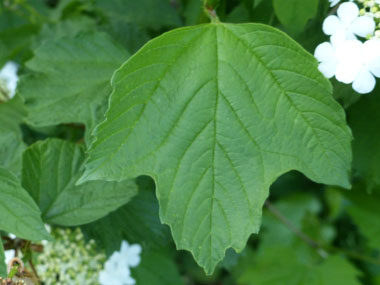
(211,13)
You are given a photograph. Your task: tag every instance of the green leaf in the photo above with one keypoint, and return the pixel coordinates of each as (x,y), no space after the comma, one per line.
(364,121)
(137,222)
(294,14)
(20,215)
(215,113)
(153,14)
(3,266)
(364,209)
(283,257)
(50,171)
(279,265)
(11,144)
(70,80)
(158,268)
(257,3)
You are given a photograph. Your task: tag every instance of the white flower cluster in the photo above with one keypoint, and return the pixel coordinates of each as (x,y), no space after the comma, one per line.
(346,56)
(8,80)
(117,268)
(69,259)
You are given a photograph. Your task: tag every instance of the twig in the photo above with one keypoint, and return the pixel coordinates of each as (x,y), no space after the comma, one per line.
(36,277)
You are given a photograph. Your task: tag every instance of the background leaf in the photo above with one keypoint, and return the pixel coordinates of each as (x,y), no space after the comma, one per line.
(364,120)
(20,215)
(158,268)
(3,266)
(70,80)
(11,144)
(215,129)
(137,222)
(294,14)
(50,171)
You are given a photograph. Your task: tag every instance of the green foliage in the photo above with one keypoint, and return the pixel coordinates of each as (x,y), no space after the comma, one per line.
(3,267)
(293,260)
(137,222)
(50,171)
(157,267)
(70,80)
(364,121)
(294,14)
(189,90)
(11,144)
(22,216)
(141,121)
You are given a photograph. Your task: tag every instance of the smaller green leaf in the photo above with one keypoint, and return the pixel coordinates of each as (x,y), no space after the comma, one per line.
(3,266)
(364,119)
(294,14)
(158,268)
(153,14)
(278,265)
(364,209)
(19,214)
(50,171)
(70,82)
(11,144)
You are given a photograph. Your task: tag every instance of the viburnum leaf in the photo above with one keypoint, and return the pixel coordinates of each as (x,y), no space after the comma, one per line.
(294,14)
(50,171)
(3,267)
(70,82)
(157,267)
(215,113)
(153,14)
(20,215)
(277,265)
(365,123)
(363,208)
(11,143)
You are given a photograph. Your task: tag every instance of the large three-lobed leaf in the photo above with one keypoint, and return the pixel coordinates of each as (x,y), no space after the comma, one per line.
(215,113)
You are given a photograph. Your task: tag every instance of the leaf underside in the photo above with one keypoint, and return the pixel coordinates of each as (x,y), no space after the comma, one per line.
(215,113)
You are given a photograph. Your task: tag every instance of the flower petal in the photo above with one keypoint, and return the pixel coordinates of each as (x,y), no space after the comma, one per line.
(364,83)
(327,68)
(363,26)
(347,13)
(324,52)
(331,25)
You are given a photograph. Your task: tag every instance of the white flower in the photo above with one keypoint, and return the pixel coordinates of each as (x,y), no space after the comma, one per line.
(131,253)
(9,75)
(9,254)
(348,24)
(117,267)
(351,61)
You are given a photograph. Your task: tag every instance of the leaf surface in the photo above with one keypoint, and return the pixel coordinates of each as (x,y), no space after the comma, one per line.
(294,14)
(19,213)
(3,266)
(365,123)
(11,144)
(70,80)
(215,113)
(50,171)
